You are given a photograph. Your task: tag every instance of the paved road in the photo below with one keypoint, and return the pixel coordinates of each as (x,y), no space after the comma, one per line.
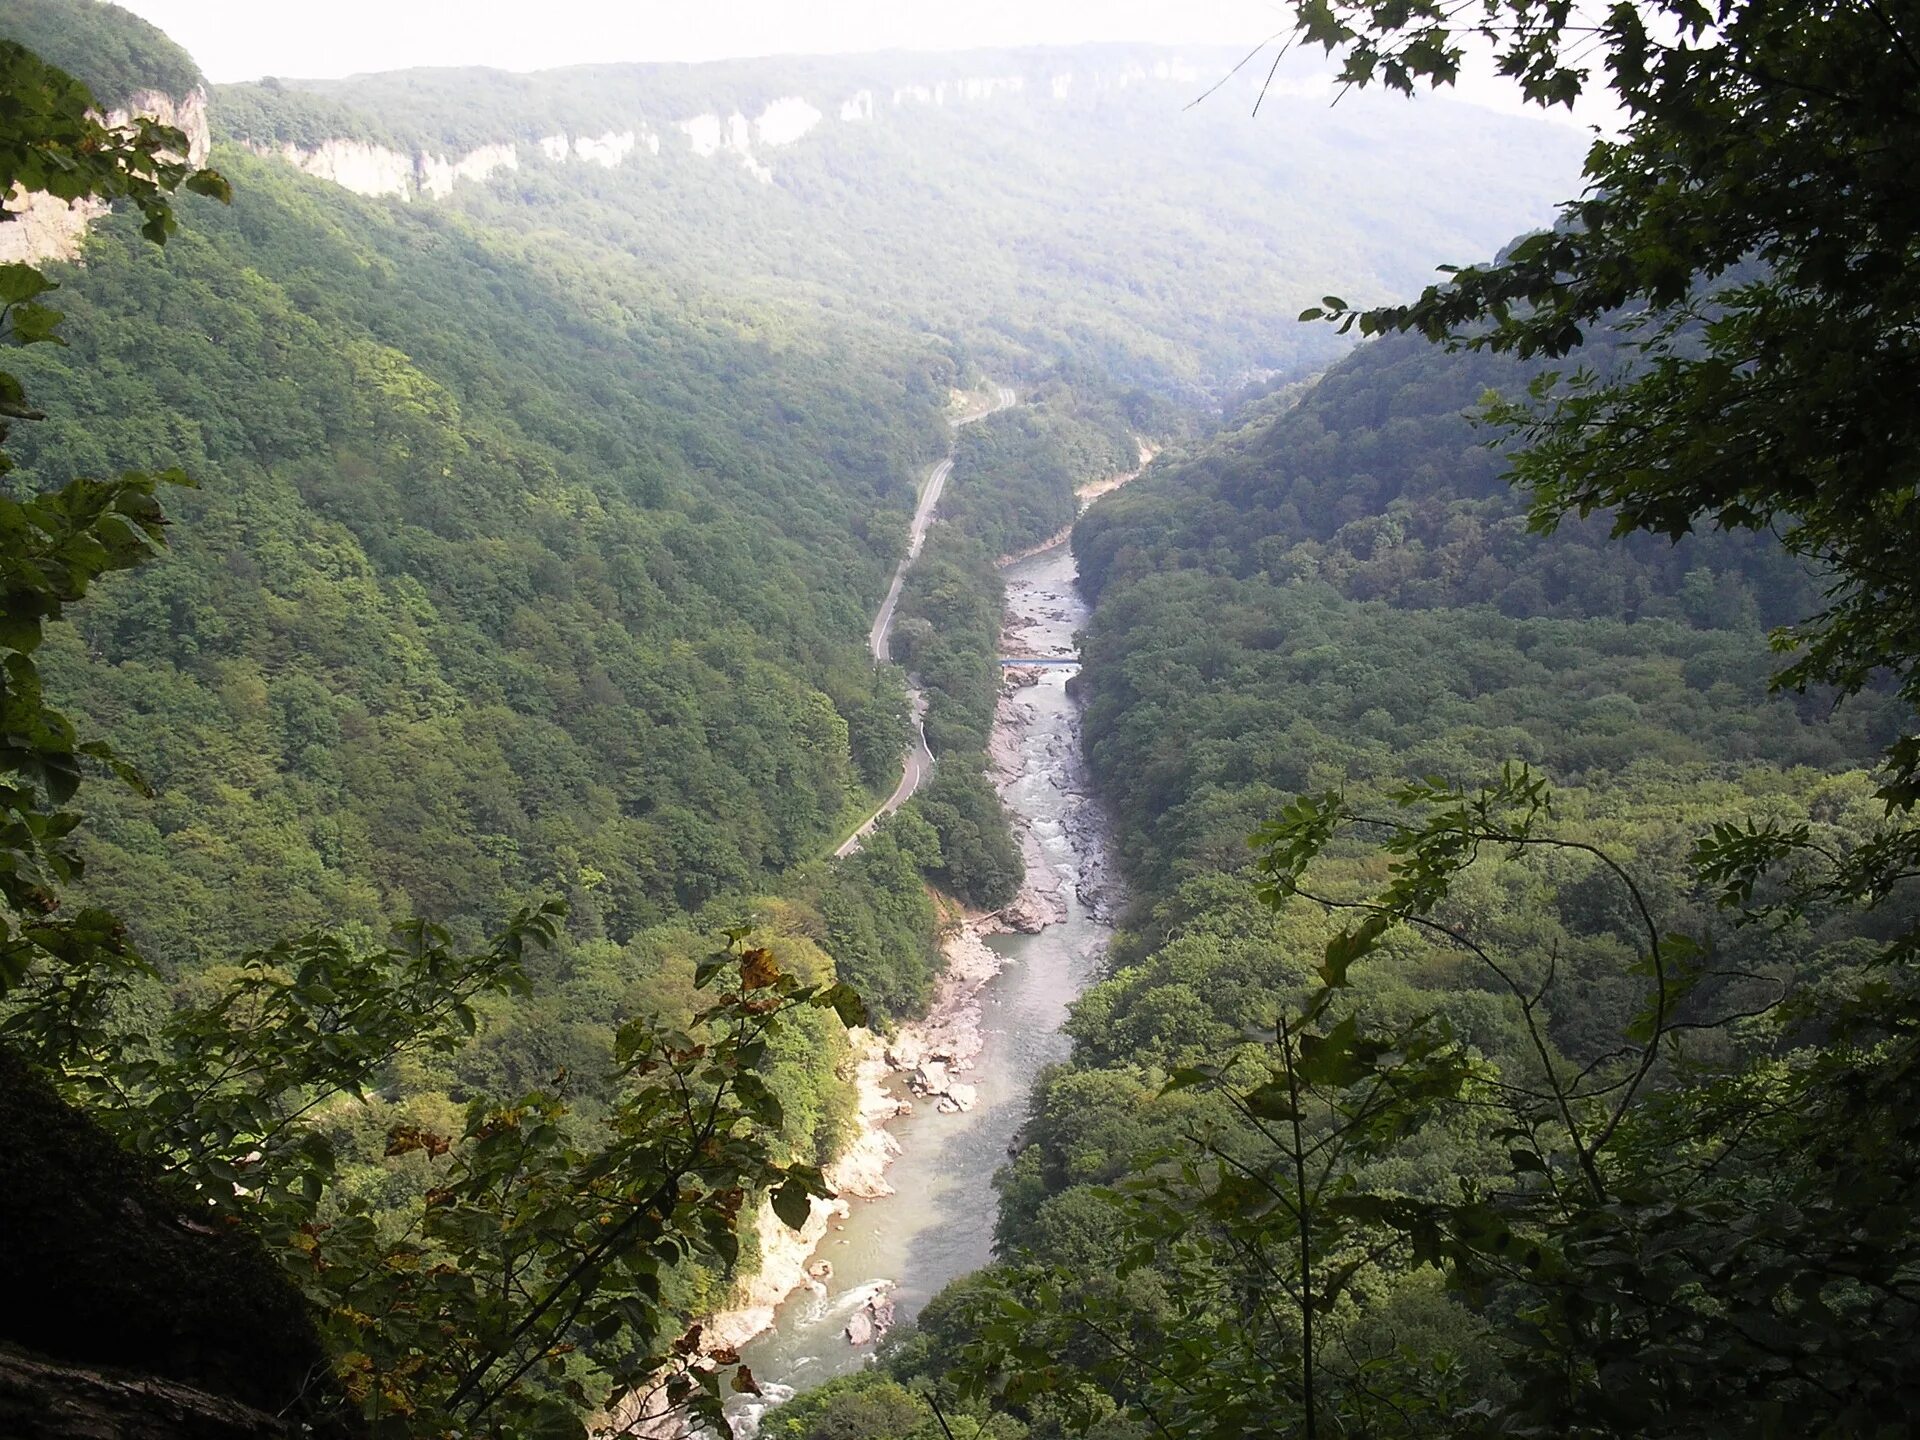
(917,763)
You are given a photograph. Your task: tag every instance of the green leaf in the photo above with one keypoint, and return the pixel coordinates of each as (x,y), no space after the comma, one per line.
(845,1002)
(792,1204)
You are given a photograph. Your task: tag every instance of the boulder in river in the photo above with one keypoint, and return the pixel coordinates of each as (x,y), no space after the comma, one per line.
(873,1319)
(906,1052)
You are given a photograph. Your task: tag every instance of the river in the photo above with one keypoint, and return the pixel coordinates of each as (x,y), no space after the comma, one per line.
(939,1223)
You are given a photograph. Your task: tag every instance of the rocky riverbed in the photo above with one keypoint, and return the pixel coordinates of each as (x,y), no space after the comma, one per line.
(948,1094)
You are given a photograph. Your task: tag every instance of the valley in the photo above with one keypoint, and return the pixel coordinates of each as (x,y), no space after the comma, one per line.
(918,760)
(903,1248)
(1057,741)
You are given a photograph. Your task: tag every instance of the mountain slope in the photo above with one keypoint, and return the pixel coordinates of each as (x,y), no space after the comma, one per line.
(487,587)
(1025,204)
(1337,593)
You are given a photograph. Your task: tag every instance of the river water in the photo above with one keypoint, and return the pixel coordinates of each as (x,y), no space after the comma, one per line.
(939,1223)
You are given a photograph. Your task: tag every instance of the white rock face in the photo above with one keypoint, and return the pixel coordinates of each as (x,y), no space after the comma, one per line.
(355,165)
(482,163)
(437,175)
(704,131)
(739,139)
(44,228)
(368,169)
(785,121)
(608,149)
(710,135)
(985,87)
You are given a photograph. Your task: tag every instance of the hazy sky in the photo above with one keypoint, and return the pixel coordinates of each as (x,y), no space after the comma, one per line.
(245,39)
(242,39)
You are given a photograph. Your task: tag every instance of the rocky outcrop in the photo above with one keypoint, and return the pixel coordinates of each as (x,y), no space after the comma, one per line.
(43,1401)
(610,149)
(45,228)
(869,1324)
(437,176)
(784,121)
(121,1302)
(356,165)
(374,169)
(369,169)
(733,134)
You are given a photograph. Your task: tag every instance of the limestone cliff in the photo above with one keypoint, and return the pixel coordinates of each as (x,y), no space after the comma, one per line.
(44,228)
(369,169)
(744,134)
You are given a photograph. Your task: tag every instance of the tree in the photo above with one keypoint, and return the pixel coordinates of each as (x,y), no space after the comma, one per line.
(1752,231)
(1676,1240)
(53,546)
(1704,1228)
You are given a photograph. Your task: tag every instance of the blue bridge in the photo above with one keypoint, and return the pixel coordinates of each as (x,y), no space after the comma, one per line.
(1064,662)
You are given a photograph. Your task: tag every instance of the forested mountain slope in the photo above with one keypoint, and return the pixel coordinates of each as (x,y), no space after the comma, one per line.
(1344,594)
(486,586)
(1027,205)
(497,582)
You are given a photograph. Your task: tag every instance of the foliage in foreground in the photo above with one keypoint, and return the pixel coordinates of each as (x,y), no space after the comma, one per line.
(1704,1229)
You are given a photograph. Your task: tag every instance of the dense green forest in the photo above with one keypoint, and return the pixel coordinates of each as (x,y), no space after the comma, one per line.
(1008,244)
(111,51)
(1512,1027)
(435,630)
(1337,591)
(1015,472)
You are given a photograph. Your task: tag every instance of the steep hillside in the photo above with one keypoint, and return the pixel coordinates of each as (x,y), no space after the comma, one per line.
(116,53)
(1340,591)
(487,587)
(497,581)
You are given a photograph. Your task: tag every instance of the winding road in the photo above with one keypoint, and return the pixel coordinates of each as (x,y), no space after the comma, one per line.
(917,764)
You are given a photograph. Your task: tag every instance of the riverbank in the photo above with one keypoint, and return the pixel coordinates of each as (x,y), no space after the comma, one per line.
(925,1058)
(859,1173)
(1086,494)
(994,1026)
